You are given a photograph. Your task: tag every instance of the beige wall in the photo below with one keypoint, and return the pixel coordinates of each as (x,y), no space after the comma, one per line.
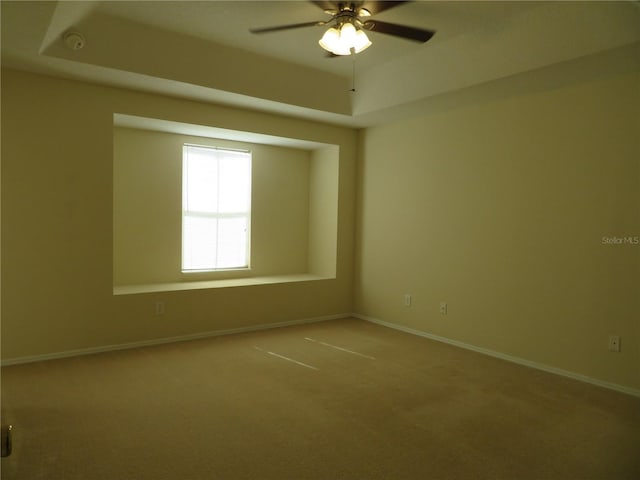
(323,210)
(499,208)
(57,223)
(148,208)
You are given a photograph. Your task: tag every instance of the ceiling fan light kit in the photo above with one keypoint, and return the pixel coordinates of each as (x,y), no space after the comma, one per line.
(344,40)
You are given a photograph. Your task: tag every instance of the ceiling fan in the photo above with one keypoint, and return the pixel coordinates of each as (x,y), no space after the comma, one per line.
(348,23)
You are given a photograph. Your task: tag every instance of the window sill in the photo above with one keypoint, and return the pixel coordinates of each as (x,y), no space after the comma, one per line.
(206,284)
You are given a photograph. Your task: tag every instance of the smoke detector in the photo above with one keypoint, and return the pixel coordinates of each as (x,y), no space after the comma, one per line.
(74,40)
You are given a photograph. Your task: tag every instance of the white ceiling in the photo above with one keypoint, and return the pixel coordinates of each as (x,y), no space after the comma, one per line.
(203,50)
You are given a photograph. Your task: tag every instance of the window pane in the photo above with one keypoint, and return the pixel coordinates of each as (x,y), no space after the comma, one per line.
(235,184)
(199,242)
(232,242)
(201,180)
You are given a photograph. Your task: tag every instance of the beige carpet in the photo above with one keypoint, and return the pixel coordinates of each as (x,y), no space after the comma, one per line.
(333,400)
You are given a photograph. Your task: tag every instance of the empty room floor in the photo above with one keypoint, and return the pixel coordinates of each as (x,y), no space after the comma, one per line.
(342,399)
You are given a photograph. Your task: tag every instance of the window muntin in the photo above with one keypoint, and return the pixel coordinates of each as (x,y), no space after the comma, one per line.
(216,208)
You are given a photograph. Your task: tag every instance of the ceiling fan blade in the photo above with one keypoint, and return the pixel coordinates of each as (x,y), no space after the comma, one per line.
(403,31)
(375,7)
(287,27)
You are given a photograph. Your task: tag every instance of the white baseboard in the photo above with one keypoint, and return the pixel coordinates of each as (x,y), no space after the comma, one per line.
(502,356)
(160,341)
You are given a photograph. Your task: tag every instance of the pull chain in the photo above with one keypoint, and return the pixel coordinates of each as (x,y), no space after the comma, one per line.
(353,71)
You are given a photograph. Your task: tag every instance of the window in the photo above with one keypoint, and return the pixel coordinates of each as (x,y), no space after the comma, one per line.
(216,208)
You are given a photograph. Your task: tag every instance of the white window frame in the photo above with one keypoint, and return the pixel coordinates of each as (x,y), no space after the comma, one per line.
(186,212)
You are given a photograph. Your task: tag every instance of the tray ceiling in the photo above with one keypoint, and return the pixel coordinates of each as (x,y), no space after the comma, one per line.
(204,51)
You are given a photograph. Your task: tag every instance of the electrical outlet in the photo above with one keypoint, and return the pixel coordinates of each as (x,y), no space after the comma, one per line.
(159,308)
(443,308)
(614,343)
(407,300)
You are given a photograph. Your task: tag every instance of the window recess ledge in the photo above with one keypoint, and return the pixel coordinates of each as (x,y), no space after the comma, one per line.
(224,283)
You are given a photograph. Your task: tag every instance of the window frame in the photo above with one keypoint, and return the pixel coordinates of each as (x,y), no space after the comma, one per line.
(185,212)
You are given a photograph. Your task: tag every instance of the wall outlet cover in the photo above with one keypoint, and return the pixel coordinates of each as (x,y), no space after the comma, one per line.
(614,343)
